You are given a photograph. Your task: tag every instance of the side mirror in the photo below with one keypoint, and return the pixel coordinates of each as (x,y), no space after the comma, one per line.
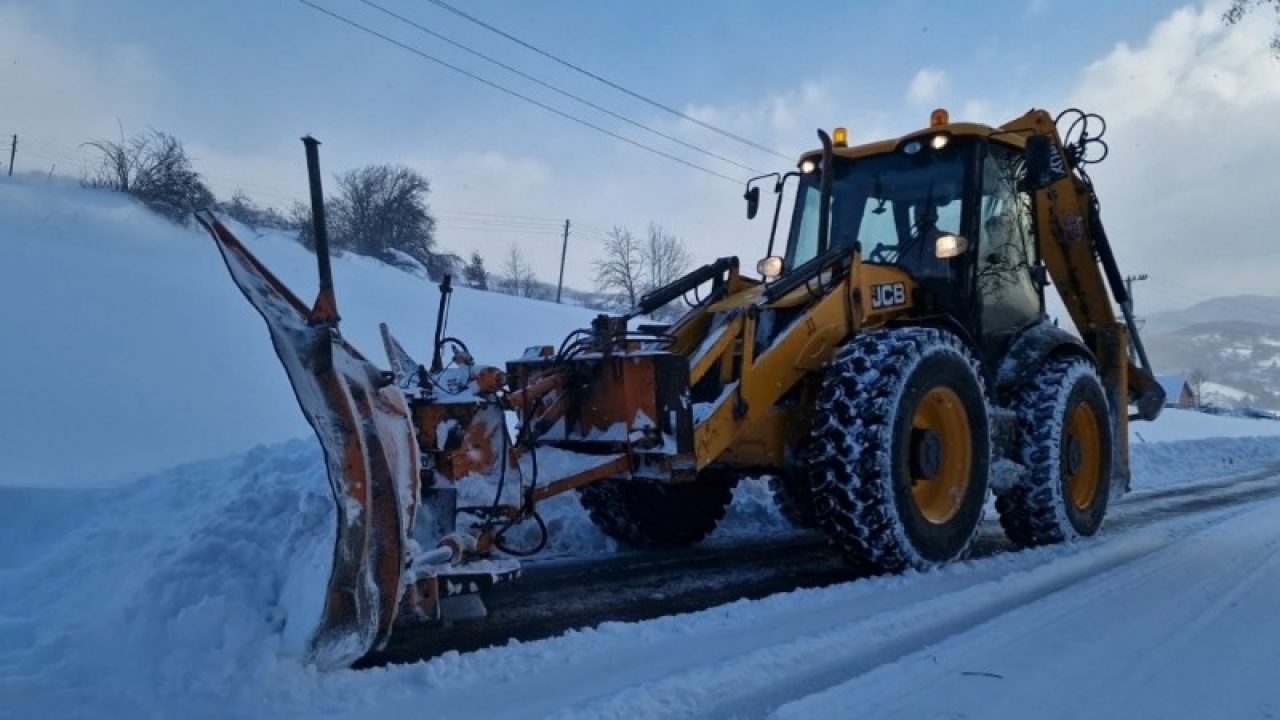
(770,268)
(752,196)
(948,246)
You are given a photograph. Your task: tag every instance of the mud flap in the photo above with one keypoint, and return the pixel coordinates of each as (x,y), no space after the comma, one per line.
(363,423)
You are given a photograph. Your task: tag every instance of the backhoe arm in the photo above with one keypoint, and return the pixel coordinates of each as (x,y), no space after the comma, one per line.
(1075,249)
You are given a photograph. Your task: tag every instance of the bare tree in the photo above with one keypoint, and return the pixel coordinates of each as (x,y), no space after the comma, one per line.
(620,272)
(300,217)
(154,168)
(241,207)
(517,275)
(665,260)
(381,210)
(665,257)
(1197,379)
(1240,8)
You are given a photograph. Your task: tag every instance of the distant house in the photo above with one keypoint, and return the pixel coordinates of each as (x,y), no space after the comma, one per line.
(1177,392)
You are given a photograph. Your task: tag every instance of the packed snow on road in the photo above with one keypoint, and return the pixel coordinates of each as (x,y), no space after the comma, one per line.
(132,585)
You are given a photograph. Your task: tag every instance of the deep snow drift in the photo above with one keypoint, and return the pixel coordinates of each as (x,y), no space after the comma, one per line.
(124,333)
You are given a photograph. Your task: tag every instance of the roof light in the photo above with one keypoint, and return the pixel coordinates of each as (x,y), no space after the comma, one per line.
(840,138)
(939,117)
(808,166)
(938,142)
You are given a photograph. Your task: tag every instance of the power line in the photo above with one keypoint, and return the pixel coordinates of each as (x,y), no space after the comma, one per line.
(610,83)
(508,231)
(516,94)
(556,89)
(445,217)
(500,215)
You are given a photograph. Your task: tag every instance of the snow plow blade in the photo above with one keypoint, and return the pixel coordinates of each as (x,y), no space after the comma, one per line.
(362,421)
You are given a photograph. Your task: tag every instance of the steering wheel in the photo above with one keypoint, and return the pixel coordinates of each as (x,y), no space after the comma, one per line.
(880,253)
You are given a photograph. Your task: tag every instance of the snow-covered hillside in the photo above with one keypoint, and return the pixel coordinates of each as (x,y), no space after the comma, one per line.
(1240,359)
(127,348)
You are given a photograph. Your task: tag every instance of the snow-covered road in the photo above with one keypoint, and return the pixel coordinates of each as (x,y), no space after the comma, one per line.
(1177,622)
(1169,620)
(561,595)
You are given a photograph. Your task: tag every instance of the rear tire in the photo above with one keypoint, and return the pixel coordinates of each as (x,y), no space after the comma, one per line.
(648,513)
(900,449)
(1064,430)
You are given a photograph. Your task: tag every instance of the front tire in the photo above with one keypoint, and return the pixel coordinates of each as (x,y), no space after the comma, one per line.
(900,449)
(1066,447)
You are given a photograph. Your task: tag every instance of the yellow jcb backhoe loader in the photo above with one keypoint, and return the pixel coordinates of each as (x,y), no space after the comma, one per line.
(890,367)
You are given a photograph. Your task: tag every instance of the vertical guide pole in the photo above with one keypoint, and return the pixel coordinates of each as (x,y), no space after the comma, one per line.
(318,225)
(13,150)
(564,248)
(442,316)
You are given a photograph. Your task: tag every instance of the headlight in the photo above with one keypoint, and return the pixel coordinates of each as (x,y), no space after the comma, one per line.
(949,246)
(770,267)
(808,166)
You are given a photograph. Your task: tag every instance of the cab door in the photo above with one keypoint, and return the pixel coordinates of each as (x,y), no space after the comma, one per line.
(1008,296)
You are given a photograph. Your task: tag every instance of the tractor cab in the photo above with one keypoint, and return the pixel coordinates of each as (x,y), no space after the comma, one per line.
(948,208)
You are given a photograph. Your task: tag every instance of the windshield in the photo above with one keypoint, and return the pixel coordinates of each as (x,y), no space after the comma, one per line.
(894,204)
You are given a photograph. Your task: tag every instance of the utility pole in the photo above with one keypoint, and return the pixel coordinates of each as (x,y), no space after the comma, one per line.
(564,248)
(1129,280)
(13,150)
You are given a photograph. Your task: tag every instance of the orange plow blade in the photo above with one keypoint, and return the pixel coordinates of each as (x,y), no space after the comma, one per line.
(363,423)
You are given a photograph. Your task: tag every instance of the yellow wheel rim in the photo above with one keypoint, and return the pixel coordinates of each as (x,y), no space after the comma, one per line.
(1082,446)
(942,413)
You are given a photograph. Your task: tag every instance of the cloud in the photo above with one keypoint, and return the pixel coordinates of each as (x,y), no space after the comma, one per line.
(927,86)
(783,120)
(57,95)
(1190,179)
(1185,191)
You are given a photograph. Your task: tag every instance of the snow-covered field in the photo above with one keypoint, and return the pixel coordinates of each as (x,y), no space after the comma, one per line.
(186,591)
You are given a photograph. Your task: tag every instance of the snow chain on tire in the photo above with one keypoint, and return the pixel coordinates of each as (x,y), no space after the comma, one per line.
(794,499)
(863,487)
(654,514)
(1039,508)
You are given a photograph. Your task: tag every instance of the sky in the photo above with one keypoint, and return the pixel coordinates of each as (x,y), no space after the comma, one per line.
(1191,107)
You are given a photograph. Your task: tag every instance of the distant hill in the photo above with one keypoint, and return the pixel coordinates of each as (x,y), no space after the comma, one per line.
(1257,309)
(1234,340)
